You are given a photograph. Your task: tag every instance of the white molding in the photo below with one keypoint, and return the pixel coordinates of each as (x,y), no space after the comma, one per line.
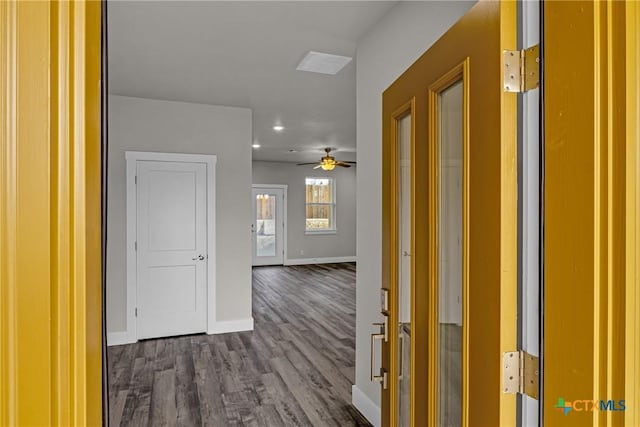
(131,267)
(279,186)
(170,157)
(119,338)
(366,406)
(227,326)
(210,160)
(285,196)
(324,260)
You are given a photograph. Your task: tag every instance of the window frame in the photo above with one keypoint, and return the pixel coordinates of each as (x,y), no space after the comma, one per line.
(333,205)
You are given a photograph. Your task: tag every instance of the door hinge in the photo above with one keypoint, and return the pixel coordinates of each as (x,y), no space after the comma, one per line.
(135,246)
(520,373)
(522,69)
(135,179)
(136,311)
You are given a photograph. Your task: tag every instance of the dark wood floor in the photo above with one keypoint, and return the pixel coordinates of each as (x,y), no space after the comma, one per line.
(295,369)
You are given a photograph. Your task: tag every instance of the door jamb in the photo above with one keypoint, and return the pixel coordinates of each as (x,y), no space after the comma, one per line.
(283,187)
(132,157)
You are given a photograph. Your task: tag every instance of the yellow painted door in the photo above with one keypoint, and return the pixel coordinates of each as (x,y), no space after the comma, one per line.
(449,229)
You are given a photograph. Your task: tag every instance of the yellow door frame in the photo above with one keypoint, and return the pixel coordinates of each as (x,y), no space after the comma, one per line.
(592,225)
(50,213)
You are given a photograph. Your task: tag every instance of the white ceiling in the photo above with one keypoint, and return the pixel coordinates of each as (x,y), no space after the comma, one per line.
(245,54)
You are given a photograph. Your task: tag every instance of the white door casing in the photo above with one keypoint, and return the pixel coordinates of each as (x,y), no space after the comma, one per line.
(269,235)
(170,244)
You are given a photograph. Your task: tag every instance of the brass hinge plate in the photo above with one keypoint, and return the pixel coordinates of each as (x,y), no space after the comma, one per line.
(522,69)
(520,373)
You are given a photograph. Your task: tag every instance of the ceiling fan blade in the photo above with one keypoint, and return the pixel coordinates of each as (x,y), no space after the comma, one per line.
(343,164)
(344,161)
(304,164)
(319,166)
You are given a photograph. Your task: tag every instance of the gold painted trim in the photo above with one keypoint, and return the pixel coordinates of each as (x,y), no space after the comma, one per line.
(632,261)
(8,144)
(50,213)
(591,208)
(458,73)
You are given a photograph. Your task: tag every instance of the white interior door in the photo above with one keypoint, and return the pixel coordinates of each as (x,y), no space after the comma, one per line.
(171,248)
(268,226)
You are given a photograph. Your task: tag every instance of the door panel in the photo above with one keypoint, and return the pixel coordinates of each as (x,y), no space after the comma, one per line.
(268,226)
(172,224)
(171,255)
(463,222)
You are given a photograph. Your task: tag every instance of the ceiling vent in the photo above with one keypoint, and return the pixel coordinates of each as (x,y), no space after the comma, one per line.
(324,63)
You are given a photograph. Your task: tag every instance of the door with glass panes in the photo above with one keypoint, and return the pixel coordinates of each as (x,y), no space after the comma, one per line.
(449,230)
(268,228)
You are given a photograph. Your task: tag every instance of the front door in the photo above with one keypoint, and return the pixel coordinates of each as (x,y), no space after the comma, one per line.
(268,225)
(171,248)
(449,229)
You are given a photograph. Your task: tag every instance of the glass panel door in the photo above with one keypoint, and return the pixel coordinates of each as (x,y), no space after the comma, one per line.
(445,344)
(268,226)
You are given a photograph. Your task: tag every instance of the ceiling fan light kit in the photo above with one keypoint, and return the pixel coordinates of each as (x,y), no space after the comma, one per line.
(328,162)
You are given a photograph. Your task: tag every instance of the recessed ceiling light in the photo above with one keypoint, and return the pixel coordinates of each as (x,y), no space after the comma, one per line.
(324,63)
(256,145)
(278,128)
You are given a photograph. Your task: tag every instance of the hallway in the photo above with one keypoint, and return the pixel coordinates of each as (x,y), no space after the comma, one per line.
(295,369)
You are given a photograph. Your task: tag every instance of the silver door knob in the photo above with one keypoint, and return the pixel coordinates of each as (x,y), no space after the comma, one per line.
(198,258)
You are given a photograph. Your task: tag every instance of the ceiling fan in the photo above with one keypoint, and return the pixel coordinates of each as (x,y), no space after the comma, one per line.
(329,162)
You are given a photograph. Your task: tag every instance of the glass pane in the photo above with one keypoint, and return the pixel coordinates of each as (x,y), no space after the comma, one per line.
(404,271)
(319,217)
(450,257)
(319,190)
(265,225)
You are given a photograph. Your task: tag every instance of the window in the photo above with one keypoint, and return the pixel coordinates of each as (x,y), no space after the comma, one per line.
(320,205)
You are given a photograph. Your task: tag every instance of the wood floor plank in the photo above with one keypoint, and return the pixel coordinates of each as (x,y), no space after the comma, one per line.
(163,412)
(295,369)
(187,400)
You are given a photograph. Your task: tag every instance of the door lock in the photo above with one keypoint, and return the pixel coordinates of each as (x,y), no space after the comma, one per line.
(198,258)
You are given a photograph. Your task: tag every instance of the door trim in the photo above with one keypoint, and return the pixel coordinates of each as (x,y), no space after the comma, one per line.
(210,160)
(283,187)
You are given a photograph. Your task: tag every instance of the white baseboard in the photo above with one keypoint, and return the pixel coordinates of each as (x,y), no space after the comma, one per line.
(232,326)
(361,401)
(325,260)
(119,338)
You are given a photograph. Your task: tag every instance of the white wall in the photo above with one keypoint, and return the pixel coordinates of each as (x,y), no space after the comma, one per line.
(343,243)
(137,124)
(383,53)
